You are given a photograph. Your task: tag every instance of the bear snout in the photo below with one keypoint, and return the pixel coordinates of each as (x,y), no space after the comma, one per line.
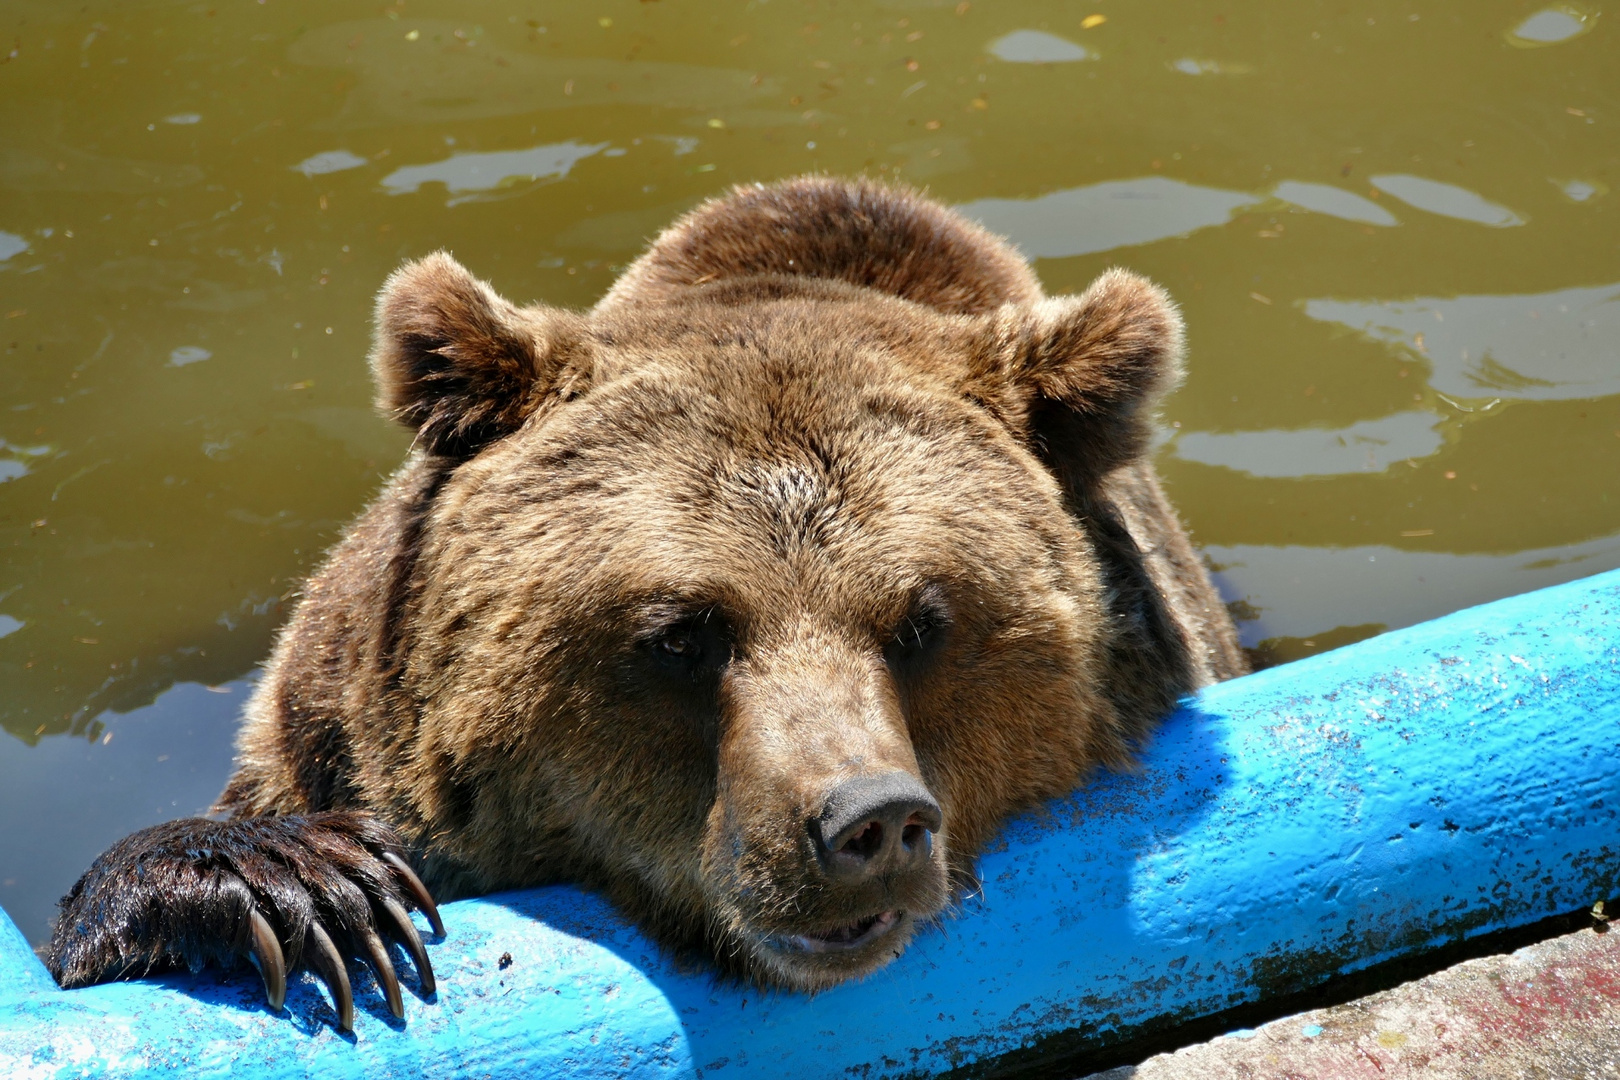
(876,825)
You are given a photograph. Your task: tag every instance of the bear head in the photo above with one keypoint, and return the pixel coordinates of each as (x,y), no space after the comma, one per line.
(759,601)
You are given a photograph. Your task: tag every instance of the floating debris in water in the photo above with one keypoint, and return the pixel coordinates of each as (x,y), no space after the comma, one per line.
(1581,190)
(188,354)
(1189,66)
(329,161)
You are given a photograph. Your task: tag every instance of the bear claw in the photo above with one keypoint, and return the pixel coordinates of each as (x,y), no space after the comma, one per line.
(266,953)
(324,959)
(398,925)
(282,892)
(377,953)
(418,891)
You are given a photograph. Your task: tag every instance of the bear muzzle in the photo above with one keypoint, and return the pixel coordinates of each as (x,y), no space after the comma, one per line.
(876,825)
(871,829)
(825,847)
(870,868)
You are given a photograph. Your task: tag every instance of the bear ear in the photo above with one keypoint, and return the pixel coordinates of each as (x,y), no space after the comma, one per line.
(462,366)
(1087,371)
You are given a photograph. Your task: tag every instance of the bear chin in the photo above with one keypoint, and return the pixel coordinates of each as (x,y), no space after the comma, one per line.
(849,941)
(811,961)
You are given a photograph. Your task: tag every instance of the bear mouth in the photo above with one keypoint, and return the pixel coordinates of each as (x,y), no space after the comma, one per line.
(846,938)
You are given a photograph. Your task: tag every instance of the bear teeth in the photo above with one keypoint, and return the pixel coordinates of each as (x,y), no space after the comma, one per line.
(844,938)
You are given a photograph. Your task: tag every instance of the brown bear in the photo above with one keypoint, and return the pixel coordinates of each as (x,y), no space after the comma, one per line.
(755,598)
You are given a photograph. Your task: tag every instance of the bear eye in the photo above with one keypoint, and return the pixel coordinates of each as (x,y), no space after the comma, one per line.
(693,644)
(914,632)
(919,632)
(677,642)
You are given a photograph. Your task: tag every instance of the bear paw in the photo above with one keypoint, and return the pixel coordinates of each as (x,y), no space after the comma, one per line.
(279,891)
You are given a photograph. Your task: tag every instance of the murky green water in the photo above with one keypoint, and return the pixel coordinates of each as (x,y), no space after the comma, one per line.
(1393,229)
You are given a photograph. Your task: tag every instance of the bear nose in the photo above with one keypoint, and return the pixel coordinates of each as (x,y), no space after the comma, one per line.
(876,824)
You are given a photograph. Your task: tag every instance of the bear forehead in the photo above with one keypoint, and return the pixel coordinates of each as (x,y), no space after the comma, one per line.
(851,335)
(791,427)
(800,465)
(756,447)
(843,392)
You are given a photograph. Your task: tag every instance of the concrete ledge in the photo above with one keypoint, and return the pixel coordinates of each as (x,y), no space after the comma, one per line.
(1434,783)
(1547,1010)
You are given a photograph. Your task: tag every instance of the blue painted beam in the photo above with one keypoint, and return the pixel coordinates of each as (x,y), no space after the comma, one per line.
(1434,783)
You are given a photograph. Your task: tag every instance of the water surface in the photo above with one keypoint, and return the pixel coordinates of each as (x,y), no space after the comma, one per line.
(1391,228)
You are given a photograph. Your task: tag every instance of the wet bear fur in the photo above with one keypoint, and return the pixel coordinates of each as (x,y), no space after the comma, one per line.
(823,488)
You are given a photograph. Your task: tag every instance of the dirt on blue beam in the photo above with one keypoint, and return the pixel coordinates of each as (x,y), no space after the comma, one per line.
(1438,782)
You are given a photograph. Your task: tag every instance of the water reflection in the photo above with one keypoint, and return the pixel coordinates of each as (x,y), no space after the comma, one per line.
(1545,346)
(148,509)
(359,429)
(1581,190)
(1447,200)
(1124,213)
(1550,26)
(452,71)
(1101,217)
(1367,446)
(1297,591)
(1189,66)
(188,354)
(623,230)
(68,169)
(925,158)
(1037,47)
(329,162)
(16,460)
(1333,201)
(486,172)
(67,799)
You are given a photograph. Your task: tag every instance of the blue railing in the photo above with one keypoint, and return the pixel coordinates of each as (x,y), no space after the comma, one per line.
(1427,785)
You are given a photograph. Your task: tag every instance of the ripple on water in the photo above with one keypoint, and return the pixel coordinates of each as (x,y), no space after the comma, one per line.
(1365,446)
(1581,190)
(152,763)
(330,161)
(1188,65)
(1447,200)
(1301,590)
(1037,47)
(433,78)
(1334,201)
(1550,26)
(1113,214)
(16,461)
(479,173)
(1542,346)
(188,354)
